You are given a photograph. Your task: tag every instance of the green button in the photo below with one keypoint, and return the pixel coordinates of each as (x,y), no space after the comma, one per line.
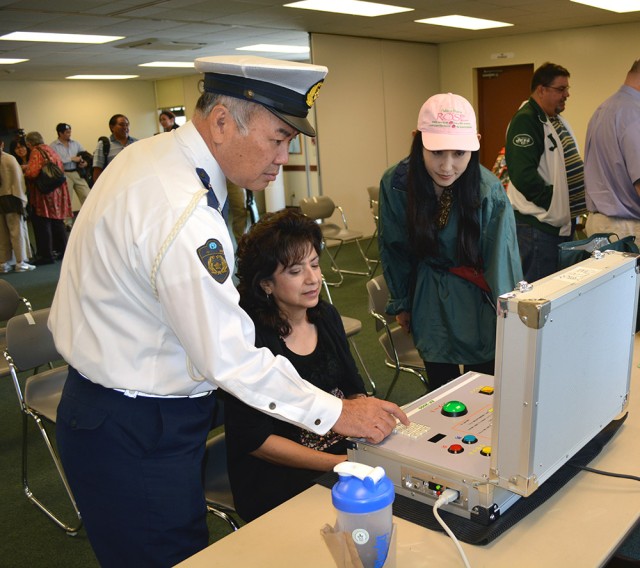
(454,408)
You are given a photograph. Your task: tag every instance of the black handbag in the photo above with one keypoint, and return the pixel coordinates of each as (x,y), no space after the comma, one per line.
(572,252)
(51,177)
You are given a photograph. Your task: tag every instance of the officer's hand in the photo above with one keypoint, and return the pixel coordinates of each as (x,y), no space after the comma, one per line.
(369,418)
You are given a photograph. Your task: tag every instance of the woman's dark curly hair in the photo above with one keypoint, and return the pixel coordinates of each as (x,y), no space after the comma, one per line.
(422,209)
(280,238)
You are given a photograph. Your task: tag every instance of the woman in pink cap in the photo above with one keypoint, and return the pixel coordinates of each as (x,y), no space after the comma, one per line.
(447,242)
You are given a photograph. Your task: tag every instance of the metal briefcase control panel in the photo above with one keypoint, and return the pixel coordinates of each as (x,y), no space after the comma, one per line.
(564,349)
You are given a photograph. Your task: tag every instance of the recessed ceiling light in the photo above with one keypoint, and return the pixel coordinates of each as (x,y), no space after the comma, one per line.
(102,77)
(463,22)
(59,38)
(182,64)
(4,61)
(272,48)
(352,7)
(619,6)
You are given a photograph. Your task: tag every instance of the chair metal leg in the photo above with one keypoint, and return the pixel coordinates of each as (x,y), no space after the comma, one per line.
(335,268)
(364,367)
(70,529)
(407,370)
(375,262)
(341,271)
(224,516)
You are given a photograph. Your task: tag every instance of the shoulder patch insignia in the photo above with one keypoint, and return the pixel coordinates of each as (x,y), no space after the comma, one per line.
(522,140)
(212,257)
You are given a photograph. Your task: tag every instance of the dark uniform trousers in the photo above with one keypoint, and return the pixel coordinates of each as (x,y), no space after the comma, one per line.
(135,468)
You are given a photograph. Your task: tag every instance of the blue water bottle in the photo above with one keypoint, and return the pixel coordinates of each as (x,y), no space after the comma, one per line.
(363,497)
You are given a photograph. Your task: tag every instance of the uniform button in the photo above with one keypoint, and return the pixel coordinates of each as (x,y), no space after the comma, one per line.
(272,406)
(318,422)
(73,423)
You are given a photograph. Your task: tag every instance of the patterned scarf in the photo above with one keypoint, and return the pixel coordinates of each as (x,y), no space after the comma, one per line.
(444,207)
(575,169)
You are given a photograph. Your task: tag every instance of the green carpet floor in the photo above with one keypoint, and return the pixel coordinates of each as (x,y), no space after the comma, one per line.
(29,539)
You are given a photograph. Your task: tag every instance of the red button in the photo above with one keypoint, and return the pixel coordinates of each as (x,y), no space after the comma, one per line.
(456,449)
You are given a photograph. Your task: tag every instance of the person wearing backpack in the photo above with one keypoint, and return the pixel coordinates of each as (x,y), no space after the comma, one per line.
(109,148)
(47,211)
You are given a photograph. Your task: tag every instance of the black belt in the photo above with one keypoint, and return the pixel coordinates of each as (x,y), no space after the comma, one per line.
(70,170)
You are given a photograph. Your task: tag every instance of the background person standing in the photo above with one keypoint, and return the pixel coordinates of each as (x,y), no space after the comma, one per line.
(612,161)
(49,211)
(546,172)
(119,139)
(69,151)
(168,121)
(14,236)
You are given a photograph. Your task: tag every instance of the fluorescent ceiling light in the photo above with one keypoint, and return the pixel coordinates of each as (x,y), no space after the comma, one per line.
(272,48)
(103,77)
(184,64)
(59,38)
(463,22)
(4,61)
(619,6)
(352,7)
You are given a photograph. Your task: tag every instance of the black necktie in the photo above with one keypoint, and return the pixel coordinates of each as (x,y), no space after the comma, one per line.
(212,200)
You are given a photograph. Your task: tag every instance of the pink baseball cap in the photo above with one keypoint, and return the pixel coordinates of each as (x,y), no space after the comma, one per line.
(448,122)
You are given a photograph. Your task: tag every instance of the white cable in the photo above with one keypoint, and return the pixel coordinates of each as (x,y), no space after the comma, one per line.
(449,495)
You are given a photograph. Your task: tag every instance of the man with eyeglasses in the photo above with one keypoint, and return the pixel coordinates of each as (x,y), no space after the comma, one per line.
(119,139)
(546,172)
(612,161)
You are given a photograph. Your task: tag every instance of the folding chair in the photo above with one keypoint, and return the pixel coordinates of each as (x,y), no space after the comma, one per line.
(352,326)
(400,351)
(217,488)
(322,208)
(30,346)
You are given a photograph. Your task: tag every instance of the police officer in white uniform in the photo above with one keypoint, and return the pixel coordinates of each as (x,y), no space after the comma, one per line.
(147,317)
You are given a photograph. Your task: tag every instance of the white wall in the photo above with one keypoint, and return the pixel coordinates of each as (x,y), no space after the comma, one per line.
(365,113)
(598,59)
(86,105)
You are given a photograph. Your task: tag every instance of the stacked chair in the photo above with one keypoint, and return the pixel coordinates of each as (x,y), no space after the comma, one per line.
(322,208)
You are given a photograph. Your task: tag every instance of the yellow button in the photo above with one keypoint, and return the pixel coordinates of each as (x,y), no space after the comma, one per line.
(486,451)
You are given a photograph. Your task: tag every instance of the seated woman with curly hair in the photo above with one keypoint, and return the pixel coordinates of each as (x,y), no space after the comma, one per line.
(280,281)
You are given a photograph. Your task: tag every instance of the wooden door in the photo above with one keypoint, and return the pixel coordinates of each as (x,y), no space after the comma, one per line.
(501,91)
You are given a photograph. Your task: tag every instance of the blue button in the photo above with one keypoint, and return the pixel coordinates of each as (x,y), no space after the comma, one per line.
(469,439)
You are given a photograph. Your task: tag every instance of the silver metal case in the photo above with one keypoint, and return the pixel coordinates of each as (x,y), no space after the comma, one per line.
(563,362)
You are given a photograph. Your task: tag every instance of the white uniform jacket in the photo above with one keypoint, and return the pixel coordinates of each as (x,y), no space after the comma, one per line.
(107,321)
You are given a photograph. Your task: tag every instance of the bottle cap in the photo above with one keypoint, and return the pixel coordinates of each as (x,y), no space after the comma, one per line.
(361,488)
